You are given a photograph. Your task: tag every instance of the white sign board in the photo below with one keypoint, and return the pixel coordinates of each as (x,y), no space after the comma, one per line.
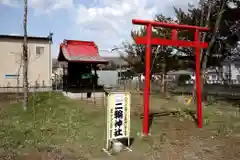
(118,116)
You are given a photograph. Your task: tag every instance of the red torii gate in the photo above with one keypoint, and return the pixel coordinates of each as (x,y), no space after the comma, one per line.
(148,41)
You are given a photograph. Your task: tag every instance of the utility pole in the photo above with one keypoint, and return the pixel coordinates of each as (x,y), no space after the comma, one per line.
(25,57)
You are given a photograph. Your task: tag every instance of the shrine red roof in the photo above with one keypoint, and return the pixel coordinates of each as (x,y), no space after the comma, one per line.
(80,51)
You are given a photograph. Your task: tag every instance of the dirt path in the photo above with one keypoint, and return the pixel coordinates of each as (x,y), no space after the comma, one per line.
(183,141)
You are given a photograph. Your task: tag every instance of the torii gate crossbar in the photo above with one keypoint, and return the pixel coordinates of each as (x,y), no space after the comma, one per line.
(148,41)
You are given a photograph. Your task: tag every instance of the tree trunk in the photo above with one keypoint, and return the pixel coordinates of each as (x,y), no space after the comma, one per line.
(229,73)
(216,28)
(202,38)
(25,58)
(163,82)
(138,82)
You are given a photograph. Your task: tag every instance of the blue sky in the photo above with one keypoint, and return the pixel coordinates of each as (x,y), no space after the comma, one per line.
(107,22)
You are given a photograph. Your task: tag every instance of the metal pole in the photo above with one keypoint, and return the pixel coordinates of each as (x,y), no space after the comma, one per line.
(25,57)
(198,80)
(147,81)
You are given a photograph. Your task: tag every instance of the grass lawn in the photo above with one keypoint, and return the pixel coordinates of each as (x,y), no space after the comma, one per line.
(59,128)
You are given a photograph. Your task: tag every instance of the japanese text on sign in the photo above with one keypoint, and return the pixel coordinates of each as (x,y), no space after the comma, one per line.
(118,115)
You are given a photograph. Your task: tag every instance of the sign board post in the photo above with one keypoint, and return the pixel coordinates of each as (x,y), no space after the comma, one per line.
(118,119)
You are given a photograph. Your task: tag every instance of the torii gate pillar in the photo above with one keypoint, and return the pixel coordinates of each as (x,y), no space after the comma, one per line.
(148,41)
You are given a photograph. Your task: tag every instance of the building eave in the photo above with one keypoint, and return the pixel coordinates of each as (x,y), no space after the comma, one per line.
(18,37)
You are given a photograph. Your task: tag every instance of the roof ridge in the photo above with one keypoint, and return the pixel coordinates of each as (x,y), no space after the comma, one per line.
(77,42)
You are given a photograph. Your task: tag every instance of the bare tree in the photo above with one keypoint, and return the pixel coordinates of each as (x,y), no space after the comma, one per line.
(203,36)
(215,31)
(25,57)
(204,59)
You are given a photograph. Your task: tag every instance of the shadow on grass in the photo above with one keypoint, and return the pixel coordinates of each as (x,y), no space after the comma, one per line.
(125,142)
(171,113)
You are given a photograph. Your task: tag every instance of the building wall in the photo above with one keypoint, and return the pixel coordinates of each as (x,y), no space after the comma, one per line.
(40,66)
(230,71)
(233,70)
(108,78)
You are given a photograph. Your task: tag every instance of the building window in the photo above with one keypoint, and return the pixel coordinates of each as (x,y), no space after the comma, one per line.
(39,50)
